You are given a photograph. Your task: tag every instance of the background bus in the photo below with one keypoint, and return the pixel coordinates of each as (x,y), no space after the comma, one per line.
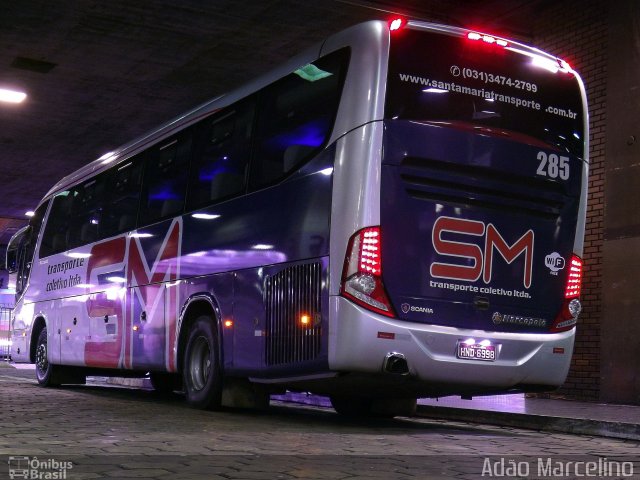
(371,221)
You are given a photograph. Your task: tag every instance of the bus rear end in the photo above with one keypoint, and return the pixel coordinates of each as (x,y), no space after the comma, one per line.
(470,284)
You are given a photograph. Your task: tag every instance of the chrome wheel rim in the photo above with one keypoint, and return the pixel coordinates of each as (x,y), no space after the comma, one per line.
(42,363)
(200,363)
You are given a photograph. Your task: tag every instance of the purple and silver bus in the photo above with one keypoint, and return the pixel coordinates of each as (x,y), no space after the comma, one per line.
(396,213)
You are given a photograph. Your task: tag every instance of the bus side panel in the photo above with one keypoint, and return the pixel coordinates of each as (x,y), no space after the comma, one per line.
(114,301)
(23,318)
(73,330)
(282,319)
(249,327)
(271,231)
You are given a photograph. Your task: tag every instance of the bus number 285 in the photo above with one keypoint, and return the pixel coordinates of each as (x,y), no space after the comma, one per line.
(553,166)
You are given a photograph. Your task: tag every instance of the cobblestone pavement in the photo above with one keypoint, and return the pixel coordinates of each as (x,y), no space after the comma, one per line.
(85,432)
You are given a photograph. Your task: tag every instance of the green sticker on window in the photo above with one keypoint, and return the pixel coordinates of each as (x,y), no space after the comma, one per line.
(312,73)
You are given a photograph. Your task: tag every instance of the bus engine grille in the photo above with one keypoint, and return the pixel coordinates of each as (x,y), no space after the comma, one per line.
(292,302)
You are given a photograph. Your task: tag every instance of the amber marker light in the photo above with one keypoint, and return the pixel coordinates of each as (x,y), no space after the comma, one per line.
(228,323)
(305,320)
(136,328)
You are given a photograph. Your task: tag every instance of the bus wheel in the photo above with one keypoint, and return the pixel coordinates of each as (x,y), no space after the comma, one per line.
(44,370)
(164,382)
(352,406)
(201,367)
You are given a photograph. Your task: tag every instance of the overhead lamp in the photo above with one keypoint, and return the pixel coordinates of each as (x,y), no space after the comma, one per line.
(11,96)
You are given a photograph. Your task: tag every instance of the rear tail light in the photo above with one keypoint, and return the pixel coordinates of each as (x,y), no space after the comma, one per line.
(362,272)
(574,280)
(571,307)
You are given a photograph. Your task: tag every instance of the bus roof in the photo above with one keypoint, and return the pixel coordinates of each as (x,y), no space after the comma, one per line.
(374,27)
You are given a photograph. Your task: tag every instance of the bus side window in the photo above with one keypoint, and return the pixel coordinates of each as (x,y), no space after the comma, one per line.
(295,118)
(165,179)
(221,156)
(55,238)
(86,212)
(120,212)
(36,224)
(26,248)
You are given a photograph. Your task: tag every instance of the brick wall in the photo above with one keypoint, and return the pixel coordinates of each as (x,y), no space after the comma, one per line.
(577,32)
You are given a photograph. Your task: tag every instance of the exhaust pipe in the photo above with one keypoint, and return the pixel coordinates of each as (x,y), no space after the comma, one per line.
(395,363)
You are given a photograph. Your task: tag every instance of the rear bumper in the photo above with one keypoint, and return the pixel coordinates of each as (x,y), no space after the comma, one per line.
(360,340)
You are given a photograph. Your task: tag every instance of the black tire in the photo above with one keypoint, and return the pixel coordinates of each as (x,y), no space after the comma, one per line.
(164,382)
(355,407)
(45,371)
(202,373)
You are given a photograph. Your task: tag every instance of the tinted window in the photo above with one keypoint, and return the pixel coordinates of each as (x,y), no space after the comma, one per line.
(123,192)
(221,157)
(295,118)
(55,238)
(86,212)
(75,217)
(26,247)
(35,223)
(436,77)
(165,179)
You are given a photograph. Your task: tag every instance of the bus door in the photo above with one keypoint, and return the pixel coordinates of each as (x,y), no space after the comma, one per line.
(73,325)
(105,307)
(105,314)
(152,297)
(145,337)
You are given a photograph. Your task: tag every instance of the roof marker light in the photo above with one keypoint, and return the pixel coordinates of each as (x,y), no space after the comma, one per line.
(487,39)
(11,96)
(396,24)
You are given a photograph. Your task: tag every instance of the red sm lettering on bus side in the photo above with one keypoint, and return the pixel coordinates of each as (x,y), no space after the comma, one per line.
(153,286)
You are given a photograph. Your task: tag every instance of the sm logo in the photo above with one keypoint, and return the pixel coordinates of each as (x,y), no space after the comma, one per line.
(473,261)
(135,306)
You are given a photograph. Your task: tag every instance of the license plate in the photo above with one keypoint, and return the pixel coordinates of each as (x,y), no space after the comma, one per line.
(475,351)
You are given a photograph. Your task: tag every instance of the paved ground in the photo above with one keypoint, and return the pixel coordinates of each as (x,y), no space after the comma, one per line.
(95,431)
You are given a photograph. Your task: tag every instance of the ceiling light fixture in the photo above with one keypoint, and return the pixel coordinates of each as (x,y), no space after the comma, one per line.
(11,96)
